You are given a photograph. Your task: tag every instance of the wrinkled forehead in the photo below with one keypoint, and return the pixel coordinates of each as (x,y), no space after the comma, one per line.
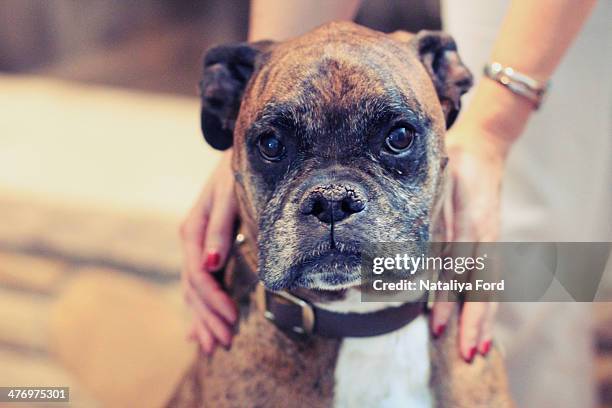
(347,75)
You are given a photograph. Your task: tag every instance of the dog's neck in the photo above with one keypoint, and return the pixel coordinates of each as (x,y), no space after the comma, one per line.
(351,302)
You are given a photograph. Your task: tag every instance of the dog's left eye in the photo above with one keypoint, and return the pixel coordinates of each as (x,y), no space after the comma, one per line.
(399,139)
(270,147)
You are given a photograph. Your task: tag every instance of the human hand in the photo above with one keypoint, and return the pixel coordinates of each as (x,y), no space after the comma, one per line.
(206,235)
(476,160)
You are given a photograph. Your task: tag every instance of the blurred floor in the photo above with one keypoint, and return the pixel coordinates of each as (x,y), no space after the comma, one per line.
(93,316)
(91,180)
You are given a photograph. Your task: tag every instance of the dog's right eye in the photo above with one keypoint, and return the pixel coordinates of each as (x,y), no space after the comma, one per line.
(270,147)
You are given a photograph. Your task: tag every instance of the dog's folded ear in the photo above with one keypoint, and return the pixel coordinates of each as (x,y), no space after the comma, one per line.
(227,70)
(451,78)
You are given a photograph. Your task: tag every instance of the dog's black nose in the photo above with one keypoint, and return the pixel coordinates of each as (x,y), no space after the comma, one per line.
(332,203)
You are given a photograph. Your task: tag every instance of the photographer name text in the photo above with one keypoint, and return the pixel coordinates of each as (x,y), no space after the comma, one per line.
(448,286)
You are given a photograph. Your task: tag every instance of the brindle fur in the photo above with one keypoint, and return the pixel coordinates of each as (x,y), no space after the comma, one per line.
(331,95)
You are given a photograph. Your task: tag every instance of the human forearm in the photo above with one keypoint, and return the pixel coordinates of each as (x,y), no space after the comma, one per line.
(535,34)
(279,20)
(533,39)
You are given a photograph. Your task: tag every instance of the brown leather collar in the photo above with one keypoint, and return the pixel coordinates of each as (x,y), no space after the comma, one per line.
(298,317)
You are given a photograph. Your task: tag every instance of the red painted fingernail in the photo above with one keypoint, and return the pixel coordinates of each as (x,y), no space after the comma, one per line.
(212,260)
(439,330)
(471,355)
(486,346)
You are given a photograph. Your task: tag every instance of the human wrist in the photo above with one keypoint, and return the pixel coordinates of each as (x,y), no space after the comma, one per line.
(496,116)
(466,139)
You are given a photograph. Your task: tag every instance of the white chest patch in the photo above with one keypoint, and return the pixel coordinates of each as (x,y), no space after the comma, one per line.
(391,370)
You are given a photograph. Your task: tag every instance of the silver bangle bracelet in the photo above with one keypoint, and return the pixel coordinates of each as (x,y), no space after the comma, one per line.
(517,82)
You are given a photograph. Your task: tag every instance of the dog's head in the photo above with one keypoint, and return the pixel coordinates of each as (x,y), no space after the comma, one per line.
(338,141)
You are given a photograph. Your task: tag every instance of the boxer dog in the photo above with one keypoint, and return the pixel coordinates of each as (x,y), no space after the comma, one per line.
(338,139)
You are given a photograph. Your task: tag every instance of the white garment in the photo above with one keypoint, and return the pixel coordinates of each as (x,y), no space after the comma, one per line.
(557,187)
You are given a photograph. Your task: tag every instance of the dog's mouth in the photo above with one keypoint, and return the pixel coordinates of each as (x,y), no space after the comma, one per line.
(327,268)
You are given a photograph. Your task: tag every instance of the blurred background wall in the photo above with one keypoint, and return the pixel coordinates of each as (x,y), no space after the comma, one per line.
(148,44)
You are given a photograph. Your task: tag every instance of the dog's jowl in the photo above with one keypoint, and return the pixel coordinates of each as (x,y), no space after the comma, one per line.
(337,141)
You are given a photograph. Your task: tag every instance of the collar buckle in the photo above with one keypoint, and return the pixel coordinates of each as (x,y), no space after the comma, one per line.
(306,327)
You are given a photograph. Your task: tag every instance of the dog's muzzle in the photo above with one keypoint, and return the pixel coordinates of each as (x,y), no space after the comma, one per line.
(298,317)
